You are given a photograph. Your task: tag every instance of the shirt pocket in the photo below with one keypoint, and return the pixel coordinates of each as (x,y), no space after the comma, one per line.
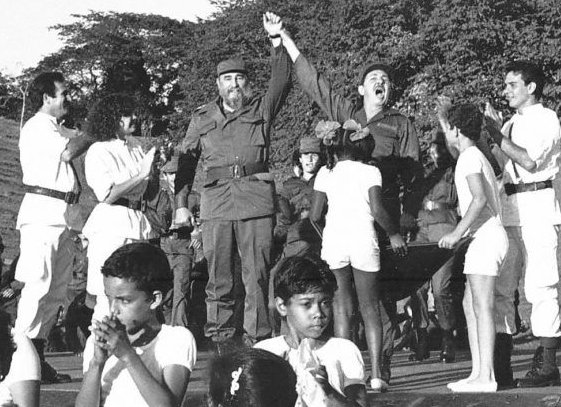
(254,127)
(205,128)
(386,141)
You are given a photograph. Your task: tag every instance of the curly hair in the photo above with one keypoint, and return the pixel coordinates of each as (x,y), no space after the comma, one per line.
(105,115)
(263,379)
(468,119)
(301,275)
(142,263)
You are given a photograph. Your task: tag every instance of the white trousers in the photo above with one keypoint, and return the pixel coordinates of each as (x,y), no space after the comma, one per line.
(532,253)
(45,266)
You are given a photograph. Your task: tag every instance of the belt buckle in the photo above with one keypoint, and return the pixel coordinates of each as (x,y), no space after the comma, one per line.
(236,171)
(429,205)
(71,197)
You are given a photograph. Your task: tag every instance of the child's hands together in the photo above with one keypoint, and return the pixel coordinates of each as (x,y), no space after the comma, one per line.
(111,337)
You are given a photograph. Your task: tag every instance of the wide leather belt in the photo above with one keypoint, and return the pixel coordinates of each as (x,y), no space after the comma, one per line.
(68,197)
(235,171)
(437,206)
(136,205)
(512,189)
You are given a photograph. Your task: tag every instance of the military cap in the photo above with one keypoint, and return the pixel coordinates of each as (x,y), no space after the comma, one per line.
(310,145)
(171,165)
(377,65)
(231,65)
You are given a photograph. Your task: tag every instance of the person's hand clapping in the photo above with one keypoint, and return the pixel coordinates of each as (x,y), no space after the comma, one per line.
(443,105)
(493,117)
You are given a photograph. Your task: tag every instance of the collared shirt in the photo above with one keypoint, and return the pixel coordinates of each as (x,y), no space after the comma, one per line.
(240,138)
(396,152)
(109,163)
(536,130)
(41,146)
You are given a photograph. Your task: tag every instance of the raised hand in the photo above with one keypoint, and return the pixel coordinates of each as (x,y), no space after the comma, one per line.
(493,117)
(272,24)
(443,105)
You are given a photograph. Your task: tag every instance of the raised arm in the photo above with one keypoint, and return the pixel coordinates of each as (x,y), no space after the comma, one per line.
(519,155)
(315,85)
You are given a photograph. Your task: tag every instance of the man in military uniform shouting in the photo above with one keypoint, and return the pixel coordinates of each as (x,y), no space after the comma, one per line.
(232,134)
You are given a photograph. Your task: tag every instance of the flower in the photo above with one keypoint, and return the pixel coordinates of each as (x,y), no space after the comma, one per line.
(327,131)
(358,133)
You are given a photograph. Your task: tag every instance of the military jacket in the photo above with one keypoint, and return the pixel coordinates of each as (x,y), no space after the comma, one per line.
(396,152)
(232,144)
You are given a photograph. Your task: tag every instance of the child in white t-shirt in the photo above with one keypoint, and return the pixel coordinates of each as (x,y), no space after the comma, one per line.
(304,288)
(479,202)
(131,358)
(351,191)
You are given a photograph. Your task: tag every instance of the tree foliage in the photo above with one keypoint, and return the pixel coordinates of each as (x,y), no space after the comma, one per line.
(456,47)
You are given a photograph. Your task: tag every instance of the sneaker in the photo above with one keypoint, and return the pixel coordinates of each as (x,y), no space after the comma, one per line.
(539,379)
(471,387)
(378,385)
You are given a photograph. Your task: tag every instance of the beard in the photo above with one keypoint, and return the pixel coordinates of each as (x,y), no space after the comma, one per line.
(236,98)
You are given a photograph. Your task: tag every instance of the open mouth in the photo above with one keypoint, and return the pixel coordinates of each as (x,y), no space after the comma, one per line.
(379,91)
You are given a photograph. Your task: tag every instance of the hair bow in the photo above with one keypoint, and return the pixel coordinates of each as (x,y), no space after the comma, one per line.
(327,131)
(235,385)
(358,133)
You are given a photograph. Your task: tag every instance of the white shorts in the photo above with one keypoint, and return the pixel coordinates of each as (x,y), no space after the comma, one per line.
(487,250)
(362,254)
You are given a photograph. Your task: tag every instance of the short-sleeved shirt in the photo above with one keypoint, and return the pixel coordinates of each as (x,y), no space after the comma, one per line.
(341,358)
(25,366)
(110,163)
(536,130)
(172,346)
(472,161)
(41,146)
(346,186)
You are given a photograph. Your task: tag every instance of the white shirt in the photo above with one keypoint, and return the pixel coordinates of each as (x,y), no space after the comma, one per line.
(346,187)
(110,163)
(536,130)
(174,345)
(41,146)
(341,358)
(472,161)
(25,366)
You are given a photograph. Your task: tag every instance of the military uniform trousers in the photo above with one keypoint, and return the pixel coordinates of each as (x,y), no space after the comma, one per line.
(253,240)
(532,252)
(441,282)
(45,266)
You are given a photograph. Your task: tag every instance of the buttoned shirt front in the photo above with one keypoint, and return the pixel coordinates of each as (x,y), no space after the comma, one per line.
(41,146)
(240,139)
(537,131)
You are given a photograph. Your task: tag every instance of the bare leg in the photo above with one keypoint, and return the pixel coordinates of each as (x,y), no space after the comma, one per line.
(367,289)
(343,304)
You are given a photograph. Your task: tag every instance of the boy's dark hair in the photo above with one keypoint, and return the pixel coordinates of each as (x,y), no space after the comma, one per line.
(301,275)
(142,263)
(7,347)
(265,380)
(529,72)
(468,119)
(344,147)
(44,83)
(104,117)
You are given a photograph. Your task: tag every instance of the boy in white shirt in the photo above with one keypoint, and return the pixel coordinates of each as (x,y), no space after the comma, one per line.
(131,358)
(304,288)
(479,202)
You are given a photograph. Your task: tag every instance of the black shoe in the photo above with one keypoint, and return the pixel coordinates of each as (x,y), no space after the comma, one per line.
(422,352)
(537,360)
(50,376)
(501,361)
(539,379)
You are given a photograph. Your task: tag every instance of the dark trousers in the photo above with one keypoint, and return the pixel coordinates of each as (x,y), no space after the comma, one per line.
(179,256)
(253,240)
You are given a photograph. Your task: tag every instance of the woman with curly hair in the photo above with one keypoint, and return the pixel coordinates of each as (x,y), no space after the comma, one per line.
(118,171)
(20,369)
